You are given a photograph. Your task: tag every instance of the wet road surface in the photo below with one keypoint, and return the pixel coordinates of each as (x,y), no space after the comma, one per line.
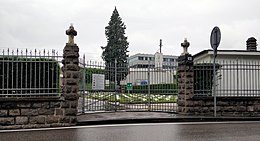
(235,131)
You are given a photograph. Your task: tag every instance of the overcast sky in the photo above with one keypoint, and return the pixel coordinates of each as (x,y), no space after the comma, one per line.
(41,24)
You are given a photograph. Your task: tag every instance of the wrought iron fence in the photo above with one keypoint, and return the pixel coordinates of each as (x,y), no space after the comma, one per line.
(233,78)
(151,89)
(29,73)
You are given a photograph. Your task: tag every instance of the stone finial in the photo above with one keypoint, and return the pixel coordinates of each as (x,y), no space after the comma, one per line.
(251,44)
(185,46)
(71,32)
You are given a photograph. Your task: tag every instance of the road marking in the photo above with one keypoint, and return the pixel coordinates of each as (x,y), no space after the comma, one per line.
(125,125)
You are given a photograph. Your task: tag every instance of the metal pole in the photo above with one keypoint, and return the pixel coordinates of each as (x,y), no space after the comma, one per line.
(149,89)
(84,84)
(214,86)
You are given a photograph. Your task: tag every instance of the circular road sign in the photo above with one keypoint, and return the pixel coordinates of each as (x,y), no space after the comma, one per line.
(215,38)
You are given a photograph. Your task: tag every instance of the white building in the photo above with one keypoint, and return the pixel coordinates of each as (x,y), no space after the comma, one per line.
(151,68)
(153,60)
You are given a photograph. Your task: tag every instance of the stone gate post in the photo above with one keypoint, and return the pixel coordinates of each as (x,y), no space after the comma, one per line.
(185,80)
(70,77)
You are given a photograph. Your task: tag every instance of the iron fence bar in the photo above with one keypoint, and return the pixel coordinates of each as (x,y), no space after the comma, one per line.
(21,74)
(26,68)
(115,85)
(57,84)
(230,74)
(39,75)
(149,89)
(44,70)
(52,70)
(234,76)
(254,76)
(247,79)
(84,85)
(31,72)
(3,76)
(48,83)
(258,76)
(12,72)
(244,74)
(224,74)
(7,80)
(237,78)
(35,71)
(17,66)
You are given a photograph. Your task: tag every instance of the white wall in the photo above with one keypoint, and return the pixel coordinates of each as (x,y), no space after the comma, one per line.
(157,76)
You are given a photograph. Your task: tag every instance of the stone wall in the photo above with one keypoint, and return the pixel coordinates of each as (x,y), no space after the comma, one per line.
(226,106)
(33,113)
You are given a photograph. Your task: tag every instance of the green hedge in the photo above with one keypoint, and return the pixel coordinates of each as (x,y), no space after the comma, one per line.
(154,88)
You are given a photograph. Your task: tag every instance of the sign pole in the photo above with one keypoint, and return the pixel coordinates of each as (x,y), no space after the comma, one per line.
(214,86)
(214,42)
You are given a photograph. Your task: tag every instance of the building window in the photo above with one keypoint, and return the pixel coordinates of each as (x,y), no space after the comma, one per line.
(165,59)
(140,58)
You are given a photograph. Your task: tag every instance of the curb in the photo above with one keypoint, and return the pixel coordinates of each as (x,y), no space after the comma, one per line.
(164,120)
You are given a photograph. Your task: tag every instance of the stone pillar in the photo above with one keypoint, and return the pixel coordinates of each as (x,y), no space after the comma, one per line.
(185,81)
(70,82)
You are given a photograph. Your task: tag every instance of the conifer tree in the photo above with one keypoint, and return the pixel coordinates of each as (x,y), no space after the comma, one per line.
(115,52)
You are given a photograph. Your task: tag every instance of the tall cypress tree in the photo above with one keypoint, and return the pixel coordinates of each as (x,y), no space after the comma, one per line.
(116,48)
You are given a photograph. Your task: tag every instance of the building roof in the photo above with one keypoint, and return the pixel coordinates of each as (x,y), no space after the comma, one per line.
(150,55)
(229,52)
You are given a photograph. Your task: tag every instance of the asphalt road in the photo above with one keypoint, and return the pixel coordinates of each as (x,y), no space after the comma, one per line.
(236,131)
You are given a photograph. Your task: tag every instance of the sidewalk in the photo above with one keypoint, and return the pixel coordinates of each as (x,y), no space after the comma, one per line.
(149,117)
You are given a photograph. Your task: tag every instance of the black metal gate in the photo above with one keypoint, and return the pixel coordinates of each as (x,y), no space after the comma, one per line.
(141,88)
